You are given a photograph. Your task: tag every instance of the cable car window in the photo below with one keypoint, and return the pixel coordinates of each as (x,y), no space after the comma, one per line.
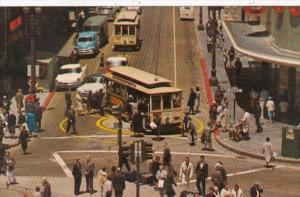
(131,30)
(124,30)
(117,30)
(156,103)
(176,100)
(167,101)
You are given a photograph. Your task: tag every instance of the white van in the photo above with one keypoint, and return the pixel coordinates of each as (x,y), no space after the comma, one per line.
(186,12)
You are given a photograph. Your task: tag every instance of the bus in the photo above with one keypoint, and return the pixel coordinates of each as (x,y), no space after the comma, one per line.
(139,92)
(126,28)
(186,12)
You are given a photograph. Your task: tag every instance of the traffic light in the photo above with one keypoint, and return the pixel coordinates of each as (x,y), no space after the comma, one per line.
(128,152)
(147,151)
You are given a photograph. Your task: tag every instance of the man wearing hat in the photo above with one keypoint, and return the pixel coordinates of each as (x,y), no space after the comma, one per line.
(77,174)
(46,188)
(270,105)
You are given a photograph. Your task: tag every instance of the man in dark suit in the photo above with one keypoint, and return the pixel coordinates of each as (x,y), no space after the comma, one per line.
(77,174)
(202,174)
(167,156)
(89,175)
(119,183)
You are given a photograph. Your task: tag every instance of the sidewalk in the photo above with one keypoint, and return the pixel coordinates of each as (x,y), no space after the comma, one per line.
(253,147)
(44,100)
(64,187)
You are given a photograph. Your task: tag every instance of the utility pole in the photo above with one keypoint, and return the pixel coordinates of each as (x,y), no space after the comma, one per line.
(5,32)
(138,160)
(213,79)
(120,138)
(200,25)
(32,18)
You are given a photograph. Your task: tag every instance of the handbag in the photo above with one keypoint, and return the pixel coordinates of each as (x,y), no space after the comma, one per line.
(160,184)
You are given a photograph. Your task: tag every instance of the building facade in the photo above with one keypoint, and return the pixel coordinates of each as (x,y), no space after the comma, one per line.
(274,42)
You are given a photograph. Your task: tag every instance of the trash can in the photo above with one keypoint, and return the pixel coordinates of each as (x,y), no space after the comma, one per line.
(290,146)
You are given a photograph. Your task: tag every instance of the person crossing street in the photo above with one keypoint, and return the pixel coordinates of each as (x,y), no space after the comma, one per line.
(71,120)
(77,174)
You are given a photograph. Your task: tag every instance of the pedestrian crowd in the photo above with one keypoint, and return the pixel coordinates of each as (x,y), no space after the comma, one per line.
(164,178)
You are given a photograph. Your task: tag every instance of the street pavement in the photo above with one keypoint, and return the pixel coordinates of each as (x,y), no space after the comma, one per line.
(53,152)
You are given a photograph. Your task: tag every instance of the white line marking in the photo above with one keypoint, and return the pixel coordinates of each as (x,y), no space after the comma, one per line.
(156,152)
(62,164)
(174,41)
(236,173)
(81,136)
(198,154)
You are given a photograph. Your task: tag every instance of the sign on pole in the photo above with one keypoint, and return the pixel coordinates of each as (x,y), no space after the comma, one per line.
(37,70)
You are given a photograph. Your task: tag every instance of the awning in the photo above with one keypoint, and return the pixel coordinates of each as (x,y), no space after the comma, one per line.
(254,41)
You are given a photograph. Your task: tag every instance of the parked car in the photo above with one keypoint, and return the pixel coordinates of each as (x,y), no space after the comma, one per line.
(138,9)
(186,13)
(92,83)
(108,11)
(70,76)
(117,61)
(87,43)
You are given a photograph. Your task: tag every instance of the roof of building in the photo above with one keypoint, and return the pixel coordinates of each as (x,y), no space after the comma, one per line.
(139,75)
(254,41)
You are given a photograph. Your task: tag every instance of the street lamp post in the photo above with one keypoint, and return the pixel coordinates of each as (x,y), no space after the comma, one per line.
(32,30)
(120,138)
(213,79)
(200,25)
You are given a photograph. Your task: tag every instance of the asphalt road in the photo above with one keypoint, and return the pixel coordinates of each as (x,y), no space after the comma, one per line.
(157,56)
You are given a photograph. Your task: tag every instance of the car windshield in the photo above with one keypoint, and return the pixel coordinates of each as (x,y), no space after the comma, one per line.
(85,39)
(92,80)
(70,70)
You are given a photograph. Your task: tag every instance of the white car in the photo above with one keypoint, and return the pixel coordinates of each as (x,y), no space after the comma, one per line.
(117,61)
(138,9)
(70,76)
(186,12)
(92,83)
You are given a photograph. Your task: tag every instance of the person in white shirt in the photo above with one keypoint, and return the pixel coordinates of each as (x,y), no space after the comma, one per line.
(246,124)
(186,172)
(237,191)
(225,192)
(270,105)
(161,176)
(107,187)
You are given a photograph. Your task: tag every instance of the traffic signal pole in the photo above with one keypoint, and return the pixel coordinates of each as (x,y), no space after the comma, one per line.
(138,160)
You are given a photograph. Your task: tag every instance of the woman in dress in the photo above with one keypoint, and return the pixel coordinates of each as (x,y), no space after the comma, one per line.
(23,138)
(267,151)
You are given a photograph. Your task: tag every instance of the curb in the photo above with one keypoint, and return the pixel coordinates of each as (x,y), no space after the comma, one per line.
(252,155)
(206,81)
